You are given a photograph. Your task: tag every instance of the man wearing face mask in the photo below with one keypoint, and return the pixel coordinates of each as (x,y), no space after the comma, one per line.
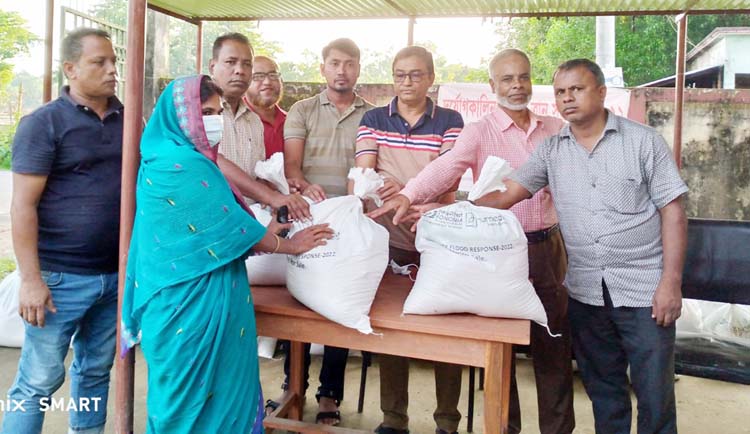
(513,132)
(242,145)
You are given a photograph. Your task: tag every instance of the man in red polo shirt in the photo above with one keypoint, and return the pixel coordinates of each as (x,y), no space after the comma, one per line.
(262,97)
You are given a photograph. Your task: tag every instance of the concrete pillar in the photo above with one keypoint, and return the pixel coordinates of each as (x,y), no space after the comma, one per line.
(605,42)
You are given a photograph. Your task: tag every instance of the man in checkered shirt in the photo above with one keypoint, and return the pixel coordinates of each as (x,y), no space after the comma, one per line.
(617,192)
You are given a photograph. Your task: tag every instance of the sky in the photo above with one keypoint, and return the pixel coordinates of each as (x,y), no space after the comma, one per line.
(470,41)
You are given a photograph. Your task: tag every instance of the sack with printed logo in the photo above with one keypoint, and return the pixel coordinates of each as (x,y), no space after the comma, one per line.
(339,280)
(12,330)
(474,259)
(264,268)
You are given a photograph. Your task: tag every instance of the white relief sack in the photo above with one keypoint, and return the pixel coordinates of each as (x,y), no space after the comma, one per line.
(714,320)
(272,170)
(12,330)
(339,280)
(367,182)
(474,259)
(265,269)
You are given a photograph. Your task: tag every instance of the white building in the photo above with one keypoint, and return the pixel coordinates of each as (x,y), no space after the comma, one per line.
(727,48)
(720,61)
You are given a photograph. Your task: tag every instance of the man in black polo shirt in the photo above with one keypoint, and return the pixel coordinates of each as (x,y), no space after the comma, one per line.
(65,215)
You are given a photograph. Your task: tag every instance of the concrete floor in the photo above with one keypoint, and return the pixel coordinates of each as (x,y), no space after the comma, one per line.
(704,406)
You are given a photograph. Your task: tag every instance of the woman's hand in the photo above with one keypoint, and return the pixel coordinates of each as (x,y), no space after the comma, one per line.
(309,238)
(275,227)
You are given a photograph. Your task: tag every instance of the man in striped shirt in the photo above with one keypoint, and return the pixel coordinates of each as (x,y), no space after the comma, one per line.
(513,132)
(398,141)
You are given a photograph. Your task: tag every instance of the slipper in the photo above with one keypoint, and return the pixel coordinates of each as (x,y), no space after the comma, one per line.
(271,406)
(336,415)
(386,430)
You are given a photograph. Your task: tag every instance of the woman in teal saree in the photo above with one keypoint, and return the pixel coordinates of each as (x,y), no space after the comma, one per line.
(187,299)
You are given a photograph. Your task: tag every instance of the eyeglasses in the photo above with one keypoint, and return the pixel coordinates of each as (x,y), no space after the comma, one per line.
(261,76)
(414,76)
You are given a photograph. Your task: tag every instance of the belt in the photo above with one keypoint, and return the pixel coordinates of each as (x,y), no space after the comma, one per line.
(542,235)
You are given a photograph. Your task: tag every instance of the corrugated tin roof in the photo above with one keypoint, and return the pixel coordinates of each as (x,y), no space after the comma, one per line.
(346,9)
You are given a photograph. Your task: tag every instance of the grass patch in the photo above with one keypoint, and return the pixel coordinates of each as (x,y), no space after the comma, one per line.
(7,266)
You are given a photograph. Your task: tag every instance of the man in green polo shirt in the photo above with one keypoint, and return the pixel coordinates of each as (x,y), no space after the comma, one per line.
(319,136)
(320,132)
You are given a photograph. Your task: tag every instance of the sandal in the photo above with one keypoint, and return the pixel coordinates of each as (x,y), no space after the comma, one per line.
(335,415)
(386,430)
(271,406)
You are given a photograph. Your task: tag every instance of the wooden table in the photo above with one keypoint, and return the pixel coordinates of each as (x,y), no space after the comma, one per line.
(458,338)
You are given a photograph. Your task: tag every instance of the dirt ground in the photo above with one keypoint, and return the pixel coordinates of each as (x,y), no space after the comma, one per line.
(703,406)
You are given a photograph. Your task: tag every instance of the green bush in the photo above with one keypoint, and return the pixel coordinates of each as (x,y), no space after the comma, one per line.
(6,140)
(7,266)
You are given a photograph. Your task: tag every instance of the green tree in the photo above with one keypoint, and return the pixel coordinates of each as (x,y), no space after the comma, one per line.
(112,11)
(446,72)
(549,41)
(15,39)
(183,43)
(644,48)
(305,70)
(183,36)
(377,65)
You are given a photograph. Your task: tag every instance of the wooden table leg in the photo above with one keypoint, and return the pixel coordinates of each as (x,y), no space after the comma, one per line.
(296,378)
(497,388)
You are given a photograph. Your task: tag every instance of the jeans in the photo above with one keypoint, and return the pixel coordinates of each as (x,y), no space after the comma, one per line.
(87,313)
(606,340)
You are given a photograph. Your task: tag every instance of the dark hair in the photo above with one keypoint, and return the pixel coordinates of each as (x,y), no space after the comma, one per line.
(592,67)
(209,88)
(72,45)
(237,37)
(344,45)
(415,51)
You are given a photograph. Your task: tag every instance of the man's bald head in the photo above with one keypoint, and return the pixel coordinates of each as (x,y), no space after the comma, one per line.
(504,54)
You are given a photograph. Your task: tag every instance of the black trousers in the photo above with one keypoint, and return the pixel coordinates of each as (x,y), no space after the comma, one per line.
(606,340)
(331,373)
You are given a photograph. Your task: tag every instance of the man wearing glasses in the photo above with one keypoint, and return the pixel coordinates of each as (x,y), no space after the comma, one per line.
(263,98)
(513,132)
(398,141)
